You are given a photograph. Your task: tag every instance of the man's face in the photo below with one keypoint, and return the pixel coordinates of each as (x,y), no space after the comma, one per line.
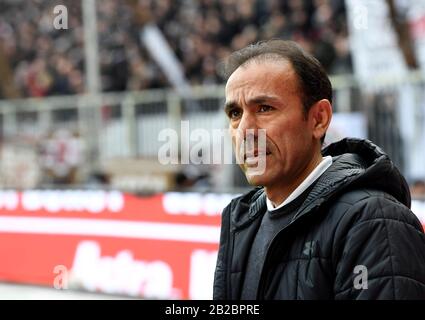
(266,95)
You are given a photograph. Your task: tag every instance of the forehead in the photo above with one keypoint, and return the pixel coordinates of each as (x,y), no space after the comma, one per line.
(262,77)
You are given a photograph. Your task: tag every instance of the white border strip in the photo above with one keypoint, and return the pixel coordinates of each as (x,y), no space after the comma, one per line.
(109,228)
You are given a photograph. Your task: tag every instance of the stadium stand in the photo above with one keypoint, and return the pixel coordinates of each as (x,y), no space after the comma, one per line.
(45,61)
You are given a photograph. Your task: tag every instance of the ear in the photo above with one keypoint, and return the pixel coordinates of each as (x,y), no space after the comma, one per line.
(320,115)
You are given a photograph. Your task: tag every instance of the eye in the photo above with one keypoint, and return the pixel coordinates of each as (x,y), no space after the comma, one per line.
(233,113)
(264,108)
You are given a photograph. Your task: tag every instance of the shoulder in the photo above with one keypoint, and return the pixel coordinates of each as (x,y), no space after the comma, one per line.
(244,200)
(243,209)
(367,206)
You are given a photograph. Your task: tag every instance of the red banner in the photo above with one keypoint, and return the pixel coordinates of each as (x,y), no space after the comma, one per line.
(163,246)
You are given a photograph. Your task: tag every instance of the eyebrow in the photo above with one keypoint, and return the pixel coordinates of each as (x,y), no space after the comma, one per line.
(229,105)
(256,100)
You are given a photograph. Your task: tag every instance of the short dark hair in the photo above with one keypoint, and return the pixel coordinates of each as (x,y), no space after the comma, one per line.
(313,80)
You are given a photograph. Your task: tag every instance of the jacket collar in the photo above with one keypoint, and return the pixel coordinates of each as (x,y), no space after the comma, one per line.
(356,164)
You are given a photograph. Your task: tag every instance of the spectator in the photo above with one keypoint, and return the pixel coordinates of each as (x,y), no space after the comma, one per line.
(47,61)
(61,157)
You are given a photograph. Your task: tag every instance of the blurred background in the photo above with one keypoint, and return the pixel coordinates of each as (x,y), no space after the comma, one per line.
(87,88)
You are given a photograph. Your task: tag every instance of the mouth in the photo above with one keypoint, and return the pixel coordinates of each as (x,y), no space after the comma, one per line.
(254,157)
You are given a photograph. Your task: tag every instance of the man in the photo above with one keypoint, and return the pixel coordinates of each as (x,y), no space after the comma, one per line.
(322,224)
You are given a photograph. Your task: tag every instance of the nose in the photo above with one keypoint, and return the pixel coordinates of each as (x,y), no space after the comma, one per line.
(245,136)
(248,126)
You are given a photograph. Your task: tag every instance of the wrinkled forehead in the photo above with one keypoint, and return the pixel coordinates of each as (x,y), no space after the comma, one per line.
(263,72)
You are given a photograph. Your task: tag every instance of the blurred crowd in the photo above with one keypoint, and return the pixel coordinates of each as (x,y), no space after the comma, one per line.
(46,61)
(417,189)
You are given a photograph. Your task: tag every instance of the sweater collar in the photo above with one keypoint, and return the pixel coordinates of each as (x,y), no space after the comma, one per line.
(308,181)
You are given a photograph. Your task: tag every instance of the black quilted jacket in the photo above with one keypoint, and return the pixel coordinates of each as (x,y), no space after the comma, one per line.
(354,237)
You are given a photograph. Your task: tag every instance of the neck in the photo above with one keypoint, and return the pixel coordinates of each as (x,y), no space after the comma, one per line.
(279,192)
